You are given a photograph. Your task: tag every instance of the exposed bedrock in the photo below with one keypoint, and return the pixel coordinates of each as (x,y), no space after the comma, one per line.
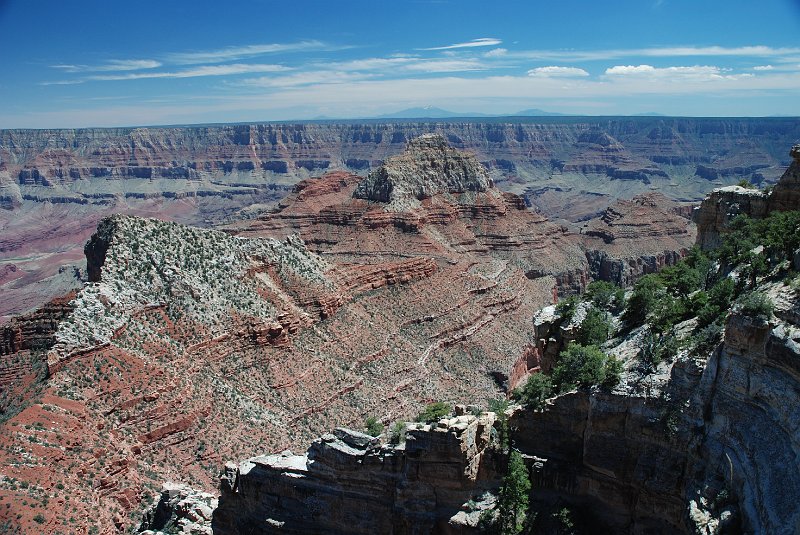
(350,483)
(636,150)
(724,204)
(710,447)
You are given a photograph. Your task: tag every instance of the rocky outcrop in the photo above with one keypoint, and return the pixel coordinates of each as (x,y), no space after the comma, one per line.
(708,445)
(428,166)
(351,483)
(180,509)
(723,204)
(636,237)
(786,193)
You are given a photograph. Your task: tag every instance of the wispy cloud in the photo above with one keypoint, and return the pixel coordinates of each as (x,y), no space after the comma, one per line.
(483,41)
(113,65)
(205,70)
(496,53)
(680,73)
(305,78)
(667,51)
(555,71)
(233,53)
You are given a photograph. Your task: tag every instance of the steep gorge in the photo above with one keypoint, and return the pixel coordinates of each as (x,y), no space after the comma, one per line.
(56,185)
(705,443)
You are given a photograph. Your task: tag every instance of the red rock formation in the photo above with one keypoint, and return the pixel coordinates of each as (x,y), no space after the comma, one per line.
(194,346)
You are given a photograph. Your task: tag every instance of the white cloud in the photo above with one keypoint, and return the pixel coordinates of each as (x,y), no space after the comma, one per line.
(204,70)
(679,51)
(554,71)
(113,65)
(305,78)
(483,41)
(765,94)
(239,52)
(369,64)
(496,53)
(444,65)
(695,72)
(763,68)
(760,50)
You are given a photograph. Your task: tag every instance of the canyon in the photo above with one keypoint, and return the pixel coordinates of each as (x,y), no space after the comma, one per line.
(56,185)
(371,296)
(353,297)
(705,442)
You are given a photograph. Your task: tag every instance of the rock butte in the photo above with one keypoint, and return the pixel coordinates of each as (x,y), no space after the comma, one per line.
(56,185)
(190,347)
(159,364)
(706,445)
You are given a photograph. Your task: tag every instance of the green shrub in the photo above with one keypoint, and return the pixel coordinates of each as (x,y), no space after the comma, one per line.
(398,434)
(512,504)
(667,312)
(594,329)
(566,525)
(536,391)
(434,412)
(756,305)
(707,338)
(681,279)
(566,308)
(613,373)
(499,406)
(605,296)
(39,518)
(646,293)
(744,183)
(656,348)
(584,366)
(373,426)
(717,304)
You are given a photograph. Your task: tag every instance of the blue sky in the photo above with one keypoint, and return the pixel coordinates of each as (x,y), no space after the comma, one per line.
(92,63)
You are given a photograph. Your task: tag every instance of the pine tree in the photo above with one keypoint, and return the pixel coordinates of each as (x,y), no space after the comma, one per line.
(513,502)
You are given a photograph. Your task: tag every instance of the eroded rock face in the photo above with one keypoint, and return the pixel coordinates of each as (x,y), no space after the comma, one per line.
(351,483)
(191,346)
(180,509)
(427,167)
(723,204)
(708,447)
(636,237)
(786,193)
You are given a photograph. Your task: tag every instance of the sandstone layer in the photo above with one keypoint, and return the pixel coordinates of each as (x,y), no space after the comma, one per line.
(191,346)
(724,204)
(708,444)
(56,185)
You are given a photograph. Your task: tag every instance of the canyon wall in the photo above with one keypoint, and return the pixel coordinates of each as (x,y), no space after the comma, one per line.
(56,185)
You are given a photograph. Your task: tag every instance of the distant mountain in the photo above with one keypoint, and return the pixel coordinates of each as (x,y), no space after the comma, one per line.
(428,112)
(648,114)
(536,112)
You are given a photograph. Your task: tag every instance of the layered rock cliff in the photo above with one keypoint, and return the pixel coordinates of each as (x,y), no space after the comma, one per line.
(724,204)
(56,185)
(704,442)
(349,482)
(707,445)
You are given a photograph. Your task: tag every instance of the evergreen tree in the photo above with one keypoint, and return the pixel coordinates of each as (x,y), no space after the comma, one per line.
(513,502)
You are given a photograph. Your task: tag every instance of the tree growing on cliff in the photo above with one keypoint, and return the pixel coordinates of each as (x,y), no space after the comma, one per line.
(512,504)
(434,412)
(594,329)
(536,391)
(373,426)
(583,366)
